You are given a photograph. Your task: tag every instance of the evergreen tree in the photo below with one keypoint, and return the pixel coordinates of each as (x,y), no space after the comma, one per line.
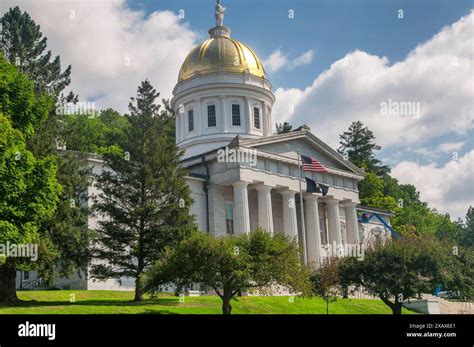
(358,143)
(24,46)
(65,237)
(283,128)
(144,199)
(467,228)
(413,217)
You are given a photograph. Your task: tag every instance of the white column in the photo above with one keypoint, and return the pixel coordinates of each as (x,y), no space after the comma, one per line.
(352,229)
(248,120)
(178,127)
(268,119)
(198,116)
(183,125)
(334,228)
(290,223)
(241,208)
(264,120)
(224,115)
(313,236)
(265,212)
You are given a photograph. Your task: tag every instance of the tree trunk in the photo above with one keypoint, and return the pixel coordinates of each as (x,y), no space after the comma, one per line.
(138,295)
(139,288)
(226,297)
(7,283)
(397,308)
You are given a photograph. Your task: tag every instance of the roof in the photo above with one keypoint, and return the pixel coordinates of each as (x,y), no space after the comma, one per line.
(305,133)
(375,209)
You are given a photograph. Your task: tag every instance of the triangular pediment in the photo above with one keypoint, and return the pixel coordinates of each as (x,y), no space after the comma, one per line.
(307,144)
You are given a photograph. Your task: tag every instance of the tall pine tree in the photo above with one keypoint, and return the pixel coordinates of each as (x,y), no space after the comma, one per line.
(24,46)
(358,143)
(144,200)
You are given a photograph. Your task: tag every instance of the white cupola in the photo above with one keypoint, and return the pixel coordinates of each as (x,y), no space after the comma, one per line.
(222,92)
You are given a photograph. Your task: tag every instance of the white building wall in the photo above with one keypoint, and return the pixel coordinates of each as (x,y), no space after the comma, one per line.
(199,207)
(277,212)
(216,210)
(128,284)
(253,209)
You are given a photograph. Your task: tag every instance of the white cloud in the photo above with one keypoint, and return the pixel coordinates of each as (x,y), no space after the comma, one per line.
(277,61)
(112,48)
(450,146)
(449,188)
(434,151)
(303,59)
(437,74)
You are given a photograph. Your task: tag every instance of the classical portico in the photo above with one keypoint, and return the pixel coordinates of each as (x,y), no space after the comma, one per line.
(243,196)
(274,208)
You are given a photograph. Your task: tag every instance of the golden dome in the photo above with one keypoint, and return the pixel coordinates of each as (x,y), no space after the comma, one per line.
(220,53)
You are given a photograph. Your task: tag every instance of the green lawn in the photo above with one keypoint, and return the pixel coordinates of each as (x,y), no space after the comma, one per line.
(114,302)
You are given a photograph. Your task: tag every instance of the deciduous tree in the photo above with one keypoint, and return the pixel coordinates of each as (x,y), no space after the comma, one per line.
(231,265)
(404,269)
(29,193)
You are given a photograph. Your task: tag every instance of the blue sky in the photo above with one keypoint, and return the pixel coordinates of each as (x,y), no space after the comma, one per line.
(331,28)
(334,63)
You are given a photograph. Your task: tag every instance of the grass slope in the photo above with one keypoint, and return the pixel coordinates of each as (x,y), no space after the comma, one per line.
(115,302)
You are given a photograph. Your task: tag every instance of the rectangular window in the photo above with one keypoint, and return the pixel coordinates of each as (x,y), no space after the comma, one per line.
(256,117)
(26,275)
(191,120)
(229,218)
(211,115)
(235,115)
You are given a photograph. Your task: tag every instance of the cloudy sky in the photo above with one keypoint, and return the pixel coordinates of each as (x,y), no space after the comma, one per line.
(404,68)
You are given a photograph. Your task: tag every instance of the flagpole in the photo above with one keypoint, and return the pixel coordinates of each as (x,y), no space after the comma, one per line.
(303,229)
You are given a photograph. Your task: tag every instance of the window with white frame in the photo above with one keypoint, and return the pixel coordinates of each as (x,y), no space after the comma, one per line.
(211,116)
(256,117)
(236,115)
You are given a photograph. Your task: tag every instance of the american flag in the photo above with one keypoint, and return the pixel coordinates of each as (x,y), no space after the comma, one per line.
(311,164)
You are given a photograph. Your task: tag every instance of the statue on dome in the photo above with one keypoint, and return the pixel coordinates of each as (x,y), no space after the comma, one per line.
(220,14)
